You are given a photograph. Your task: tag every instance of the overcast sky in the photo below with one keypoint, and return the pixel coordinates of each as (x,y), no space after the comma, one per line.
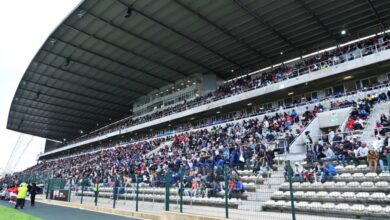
(24,25)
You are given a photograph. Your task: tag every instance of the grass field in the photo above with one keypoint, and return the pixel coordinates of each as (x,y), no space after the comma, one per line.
(13,214)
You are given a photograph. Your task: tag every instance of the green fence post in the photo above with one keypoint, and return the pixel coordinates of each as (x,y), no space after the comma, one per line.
(226,192)
(82,190)
(181,190)
(388,162)
(96,191)
(290,173)
(48,188)
(70,190)
(137,193)
(167,186)
(115,191)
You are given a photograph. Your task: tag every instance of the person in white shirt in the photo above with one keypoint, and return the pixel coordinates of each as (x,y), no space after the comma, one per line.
(378,144)
(329,153)
(361,153)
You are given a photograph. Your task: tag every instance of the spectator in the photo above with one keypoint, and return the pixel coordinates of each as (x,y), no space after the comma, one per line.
(329,171)
(372,159)
(21,197)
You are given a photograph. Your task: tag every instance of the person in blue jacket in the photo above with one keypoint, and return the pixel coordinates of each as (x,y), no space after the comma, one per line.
(329,171)
(239,189)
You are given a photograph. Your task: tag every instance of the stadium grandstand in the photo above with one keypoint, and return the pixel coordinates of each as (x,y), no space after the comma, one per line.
(241,109)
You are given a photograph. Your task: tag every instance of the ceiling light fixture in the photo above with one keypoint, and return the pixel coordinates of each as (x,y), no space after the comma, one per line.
(81,13)
(347,77)
(290,93)
(129,11)
(67,62)
(53,41)
(218,112)
(343,32)
(249,104)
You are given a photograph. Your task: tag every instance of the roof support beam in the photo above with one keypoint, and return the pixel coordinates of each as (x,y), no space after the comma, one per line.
(55,120)
(264,23)
(78,119)
(318,20)
(196,42)
(81,111)
(69,100)
(38,130)
(222,29)
(78,94)
(75,84)
(50,124)
(378,17)
(80,47)
(127,50)
(125,89)
(167,49)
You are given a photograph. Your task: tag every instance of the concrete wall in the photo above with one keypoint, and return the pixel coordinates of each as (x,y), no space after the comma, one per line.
(298,146)
(333,118)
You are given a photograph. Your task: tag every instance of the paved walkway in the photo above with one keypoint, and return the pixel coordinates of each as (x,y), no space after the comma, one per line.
(50,212)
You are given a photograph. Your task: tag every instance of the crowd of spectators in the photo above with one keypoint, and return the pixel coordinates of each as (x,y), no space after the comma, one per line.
(247,83)
(201,155)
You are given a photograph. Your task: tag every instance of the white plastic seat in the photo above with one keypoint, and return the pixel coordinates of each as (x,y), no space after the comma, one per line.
(302,204)
(322,194)
(378,196)
(280,203)
(335,194)
(340,184)
(305,184)
(353,184)
(339,168)
(328,184)
(316,185)
(386,209)
(358,207)
(278,193)
(371,175)
(328,206)
(348,195)
(315,205)
(367,184)
(382,184)
(310,194)
(270,203)
(373,208)
(362,166)
(358,176)
(345,176)
(342,207)
(349,167)
(299,193)
(362,195)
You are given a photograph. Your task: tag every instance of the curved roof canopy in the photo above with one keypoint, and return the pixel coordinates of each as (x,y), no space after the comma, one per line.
(106,54)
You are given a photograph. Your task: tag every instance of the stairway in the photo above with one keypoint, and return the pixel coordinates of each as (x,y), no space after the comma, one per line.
(263,192)
(368,132)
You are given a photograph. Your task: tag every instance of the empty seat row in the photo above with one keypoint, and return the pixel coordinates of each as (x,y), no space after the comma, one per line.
(367,186)
(361,177)
(329,208)
(323,196)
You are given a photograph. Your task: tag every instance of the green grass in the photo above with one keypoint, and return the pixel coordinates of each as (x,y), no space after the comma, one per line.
(13,214)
